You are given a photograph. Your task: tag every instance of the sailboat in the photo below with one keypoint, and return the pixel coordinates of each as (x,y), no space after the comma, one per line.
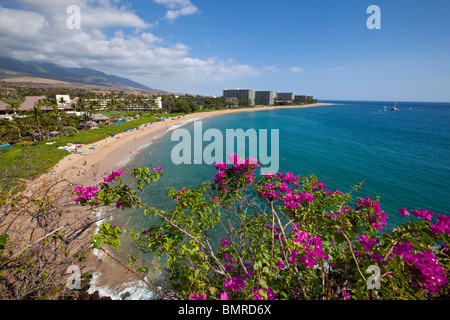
(394,108)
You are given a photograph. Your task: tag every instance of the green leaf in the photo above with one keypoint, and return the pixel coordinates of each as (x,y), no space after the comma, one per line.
(4,239)
(262,282)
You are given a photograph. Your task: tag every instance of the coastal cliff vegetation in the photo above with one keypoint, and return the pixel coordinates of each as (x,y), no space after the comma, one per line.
(279,236)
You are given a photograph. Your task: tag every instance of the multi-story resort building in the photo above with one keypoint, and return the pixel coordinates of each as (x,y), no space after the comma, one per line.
(244,96)
(285,96)
(252,97)
(303,97)
(264,97)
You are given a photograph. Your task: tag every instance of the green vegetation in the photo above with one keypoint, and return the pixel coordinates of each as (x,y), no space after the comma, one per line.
(46,156)
(276,237)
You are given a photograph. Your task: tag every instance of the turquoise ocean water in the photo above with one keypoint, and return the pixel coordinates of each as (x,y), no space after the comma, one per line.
(402,156)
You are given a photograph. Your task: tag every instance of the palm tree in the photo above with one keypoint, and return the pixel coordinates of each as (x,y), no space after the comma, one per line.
(62,101)
(92,107)
(58,119)
(37,114)
(81,105)
(18,129)
(15,107)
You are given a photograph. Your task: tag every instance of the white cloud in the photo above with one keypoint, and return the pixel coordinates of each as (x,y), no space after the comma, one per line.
(337,69)
(296,69)
(38,31)
(272,69)
(178,8)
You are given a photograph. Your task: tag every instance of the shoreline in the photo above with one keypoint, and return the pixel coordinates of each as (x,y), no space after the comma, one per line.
(113,153)
(105,155)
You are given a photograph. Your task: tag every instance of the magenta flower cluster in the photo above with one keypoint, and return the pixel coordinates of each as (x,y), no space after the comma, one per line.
(367,242)
(85,193)
(425,264)
(234,284)
(113,175)
(240,166)
(197,296)
(282,189)
(224,243)
(283,192)
(442,225)
(376,217)
(269,293)
(422,214)
(312,247)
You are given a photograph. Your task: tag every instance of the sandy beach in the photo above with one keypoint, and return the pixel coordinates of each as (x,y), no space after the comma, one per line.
(103,156)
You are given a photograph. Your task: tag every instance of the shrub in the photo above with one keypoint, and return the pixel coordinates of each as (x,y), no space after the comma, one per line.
(279,237)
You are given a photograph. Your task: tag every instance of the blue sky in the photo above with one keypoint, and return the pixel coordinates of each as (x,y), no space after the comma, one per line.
(321,48)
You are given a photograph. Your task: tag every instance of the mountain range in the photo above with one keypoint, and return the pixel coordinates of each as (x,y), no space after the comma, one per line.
(16,69)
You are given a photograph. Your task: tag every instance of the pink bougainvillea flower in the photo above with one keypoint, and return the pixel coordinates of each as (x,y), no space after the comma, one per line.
(233,158)
(113,175)
(403,249)
(403,212)
(85,193)
(376,217)
(223,296)
(269,292)
(346,294)
(221,166)
(220,177)
(423,214)
(307,197)
(442,225)
(293,256)
(224,243)
(280,264)
(197,296)
(235,283)
(367,243)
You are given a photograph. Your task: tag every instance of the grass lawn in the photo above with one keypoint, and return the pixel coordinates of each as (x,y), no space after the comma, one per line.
(29,160)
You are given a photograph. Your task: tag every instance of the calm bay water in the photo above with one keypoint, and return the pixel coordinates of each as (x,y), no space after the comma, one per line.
(402,156)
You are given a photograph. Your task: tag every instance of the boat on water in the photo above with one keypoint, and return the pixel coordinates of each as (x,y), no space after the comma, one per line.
(394,108)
